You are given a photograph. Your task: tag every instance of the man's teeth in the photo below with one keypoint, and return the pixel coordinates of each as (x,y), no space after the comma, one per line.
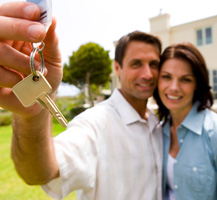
(145,85)
(173,97)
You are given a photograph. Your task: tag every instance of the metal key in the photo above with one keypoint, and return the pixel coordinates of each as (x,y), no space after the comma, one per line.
(30,91)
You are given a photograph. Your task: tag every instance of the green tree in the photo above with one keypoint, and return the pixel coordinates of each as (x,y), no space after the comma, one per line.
(89,67)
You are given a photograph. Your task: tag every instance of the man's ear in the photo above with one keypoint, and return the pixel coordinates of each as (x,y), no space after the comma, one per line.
(117,68)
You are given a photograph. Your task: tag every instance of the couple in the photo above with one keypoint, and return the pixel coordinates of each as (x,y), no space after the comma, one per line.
(114,150)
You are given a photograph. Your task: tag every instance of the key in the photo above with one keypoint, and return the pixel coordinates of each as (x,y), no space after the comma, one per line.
(30,91)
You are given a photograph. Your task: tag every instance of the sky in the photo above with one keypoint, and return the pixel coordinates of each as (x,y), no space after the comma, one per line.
(105,21)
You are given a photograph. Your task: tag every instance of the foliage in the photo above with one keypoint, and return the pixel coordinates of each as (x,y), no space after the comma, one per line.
(90,65)
(76,111)
(67,104)
(12,187)
(5,118)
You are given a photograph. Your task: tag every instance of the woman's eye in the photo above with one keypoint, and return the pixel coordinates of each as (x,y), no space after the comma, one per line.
(165,76)
(186,80)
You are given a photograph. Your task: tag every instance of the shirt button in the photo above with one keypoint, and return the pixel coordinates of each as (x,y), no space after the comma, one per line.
(176,186)
(194,169)
(175,161)
(181,140)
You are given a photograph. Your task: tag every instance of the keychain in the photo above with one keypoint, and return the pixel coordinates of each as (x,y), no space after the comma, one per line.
(46,11)
(46,20)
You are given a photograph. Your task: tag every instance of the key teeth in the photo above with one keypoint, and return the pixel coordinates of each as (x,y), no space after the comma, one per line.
(63,123)
(45,98)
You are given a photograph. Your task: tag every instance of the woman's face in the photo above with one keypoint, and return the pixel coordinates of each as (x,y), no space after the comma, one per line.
(176,85)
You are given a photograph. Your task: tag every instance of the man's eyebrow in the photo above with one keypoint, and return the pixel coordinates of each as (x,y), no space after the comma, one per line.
(156,61)
(135,60)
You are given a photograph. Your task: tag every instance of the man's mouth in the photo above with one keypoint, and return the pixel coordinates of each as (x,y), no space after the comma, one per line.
(146,85)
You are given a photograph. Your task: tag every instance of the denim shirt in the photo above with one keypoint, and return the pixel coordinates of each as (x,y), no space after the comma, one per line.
(195,168)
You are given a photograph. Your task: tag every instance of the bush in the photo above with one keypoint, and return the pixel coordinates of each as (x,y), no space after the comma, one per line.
(76,111)
(67,105)
(5,118)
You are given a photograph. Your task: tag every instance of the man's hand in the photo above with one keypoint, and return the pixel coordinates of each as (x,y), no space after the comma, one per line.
(32,145)
(19,28)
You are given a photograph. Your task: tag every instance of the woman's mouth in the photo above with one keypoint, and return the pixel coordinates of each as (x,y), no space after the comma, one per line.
(172,97)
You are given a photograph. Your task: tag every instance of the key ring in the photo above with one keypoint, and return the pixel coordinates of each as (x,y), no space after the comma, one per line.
(35,48)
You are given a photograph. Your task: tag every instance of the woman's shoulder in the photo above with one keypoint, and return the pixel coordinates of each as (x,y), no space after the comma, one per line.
(210,127)
(210,120)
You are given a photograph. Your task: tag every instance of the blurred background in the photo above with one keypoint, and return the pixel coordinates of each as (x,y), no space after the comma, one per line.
(104,22)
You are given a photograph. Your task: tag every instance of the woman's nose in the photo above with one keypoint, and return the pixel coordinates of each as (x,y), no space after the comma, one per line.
(174,84)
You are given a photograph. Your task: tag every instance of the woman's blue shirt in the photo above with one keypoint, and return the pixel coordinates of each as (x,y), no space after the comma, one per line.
(195,175)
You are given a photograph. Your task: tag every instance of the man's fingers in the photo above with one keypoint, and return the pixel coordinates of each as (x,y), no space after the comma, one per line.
(21,30)
(51,52)
(18,9)
(9,101)
(10,77)
(18,22)
(15,60)
(11,58)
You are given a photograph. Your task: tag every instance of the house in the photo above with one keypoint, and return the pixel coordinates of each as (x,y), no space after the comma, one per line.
(200,33)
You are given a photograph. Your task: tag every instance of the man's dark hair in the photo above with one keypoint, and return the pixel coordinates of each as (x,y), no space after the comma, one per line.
(135,36)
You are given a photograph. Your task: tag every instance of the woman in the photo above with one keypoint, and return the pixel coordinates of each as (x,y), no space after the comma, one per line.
(190,127)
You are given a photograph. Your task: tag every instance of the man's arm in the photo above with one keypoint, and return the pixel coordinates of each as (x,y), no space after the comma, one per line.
(32,144)
(32,149)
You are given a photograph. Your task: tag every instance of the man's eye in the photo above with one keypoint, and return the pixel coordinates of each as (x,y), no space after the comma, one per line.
(154,65)
(136,64)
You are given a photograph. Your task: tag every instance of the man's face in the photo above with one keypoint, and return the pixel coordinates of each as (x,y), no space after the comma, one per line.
(139,72)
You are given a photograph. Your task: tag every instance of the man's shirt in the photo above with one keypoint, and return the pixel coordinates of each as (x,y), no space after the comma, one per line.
(109,153)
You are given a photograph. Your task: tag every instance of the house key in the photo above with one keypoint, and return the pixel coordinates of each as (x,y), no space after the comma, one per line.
(33,90)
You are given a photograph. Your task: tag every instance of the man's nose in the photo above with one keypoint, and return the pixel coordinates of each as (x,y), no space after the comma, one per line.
(146,72)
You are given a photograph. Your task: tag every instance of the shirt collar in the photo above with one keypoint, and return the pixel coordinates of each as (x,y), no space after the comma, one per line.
(127,113)
(193,121)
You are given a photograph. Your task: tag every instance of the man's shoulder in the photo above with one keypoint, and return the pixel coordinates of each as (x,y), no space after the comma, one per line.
(100,110)
(98,117)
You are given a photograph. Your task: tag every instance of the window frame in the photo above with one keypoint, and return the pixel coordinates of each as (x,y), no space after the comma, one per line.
(204,39)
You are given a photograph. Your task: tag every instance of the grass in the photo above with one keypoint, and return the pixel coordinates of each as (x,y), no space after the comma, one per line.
(11,185)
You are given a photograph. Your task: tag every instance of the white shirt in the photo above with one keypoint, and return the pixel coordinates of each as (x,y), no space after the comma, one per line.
(109,153)
(170,177)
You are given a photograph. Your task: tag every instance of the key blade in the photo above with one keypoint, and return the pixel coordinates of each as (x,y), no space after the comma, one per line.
(45,100)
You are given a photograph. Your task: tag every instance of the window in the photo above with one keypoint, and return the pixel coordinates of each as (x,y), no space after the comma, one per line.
(214,74)
(204,36)
(199,38)
(208,34)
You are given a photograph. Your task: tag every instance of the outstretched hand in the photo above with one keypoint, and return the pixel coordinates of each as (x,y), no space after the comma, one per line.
(19,28)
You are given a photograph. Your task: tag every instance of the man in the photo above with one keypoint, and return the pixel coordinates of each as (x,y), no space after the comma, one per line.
(111,151)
